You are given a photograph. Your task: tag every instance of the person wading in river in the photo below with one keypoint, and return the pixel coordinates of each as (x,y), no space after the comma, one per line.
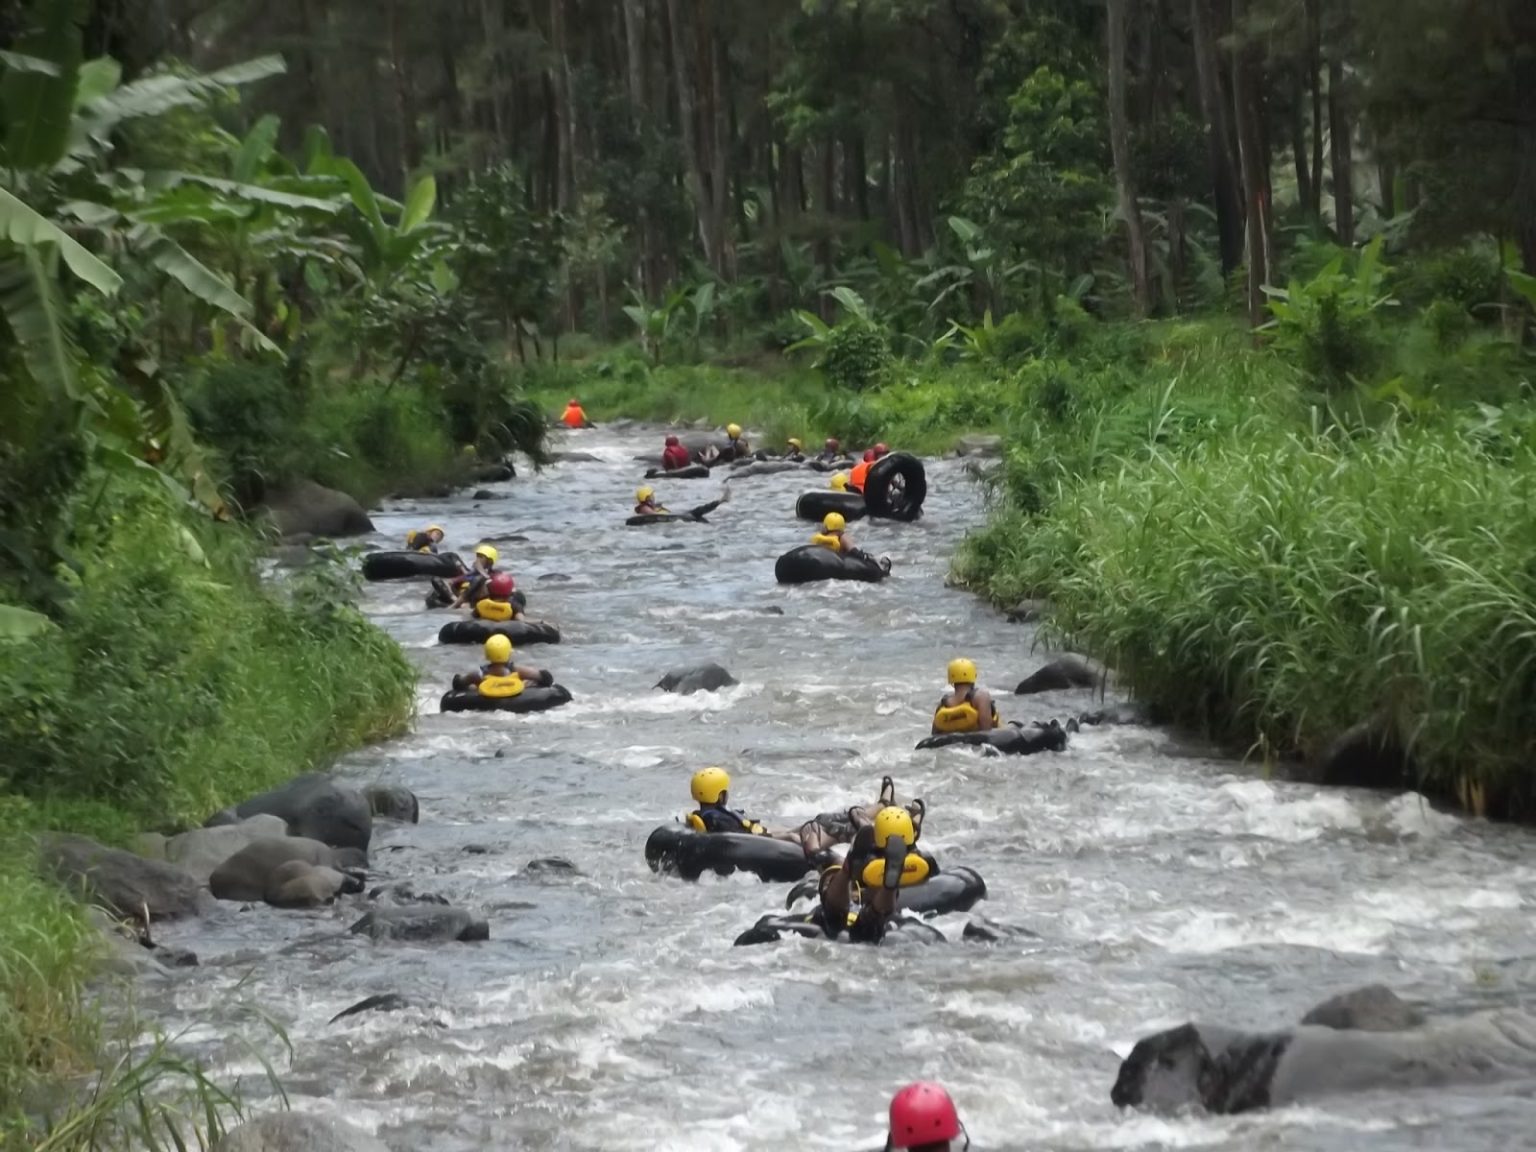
(967,708)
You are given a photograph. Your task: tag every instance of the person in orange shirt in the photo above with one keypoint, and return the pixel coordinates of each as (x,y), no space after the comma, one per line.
(861,469)
(574,416)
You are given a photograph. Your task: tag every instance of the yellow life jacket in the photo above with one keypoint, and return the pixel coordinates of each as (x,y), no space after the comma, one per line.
(914,870)
(498,611)
(961,717)
(827,540)
(501,687)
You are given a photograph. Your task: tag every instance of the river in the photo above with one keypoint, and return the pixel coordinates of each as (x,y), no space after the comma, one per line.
(609,1009)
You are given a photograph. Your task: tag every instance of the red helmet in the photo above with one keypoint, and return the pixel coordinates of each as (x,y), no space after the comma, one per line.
(881,450)
(923,1113)
(671,441)
(832,443)
(575,403)
(869,455)
(501,585)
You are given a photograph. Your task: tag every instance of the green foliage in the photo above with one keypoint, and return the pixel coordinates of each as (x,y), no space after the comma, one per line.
(175,682)
(1331,323)
(855,355)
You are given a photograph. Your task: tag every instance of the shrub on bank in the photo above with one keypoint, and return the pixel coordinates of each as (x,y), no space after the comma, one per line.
(1286,589)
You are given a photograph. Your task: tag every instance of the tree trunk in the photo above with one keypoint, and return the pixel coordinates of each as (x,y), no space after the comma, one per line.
(1298,123)
(1255,164)
(1341,137)
(1120,146)
(1314,35)
(720,149)
(1525,162)
(564,114)
(1213,105)
(858,171)
(405,98)
(828,210)
(687,126)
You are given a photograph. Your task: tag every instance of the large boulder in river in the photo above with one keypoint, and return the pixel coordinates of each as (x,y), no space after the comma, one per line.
(296,1132)
(259,869)
(698,678)
(422,923)
(304,508)
(125,884)
(979,445)
(1368,755)
(313,805)
(1065,671)
(1374,1008)
(200,851)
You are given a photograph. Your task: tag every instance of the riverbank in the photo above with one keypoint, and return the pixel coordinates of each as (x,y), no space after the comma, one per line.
(921,407)
(1290,568)
(170,682)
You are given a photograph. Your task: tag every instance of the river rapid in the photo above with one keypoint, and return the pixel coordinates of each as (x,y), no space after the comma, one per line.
(609,1009)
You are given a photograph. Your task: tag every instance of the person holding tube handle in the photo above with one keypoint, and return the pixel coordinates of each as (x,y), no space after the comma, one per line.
(882,859)
(710,789)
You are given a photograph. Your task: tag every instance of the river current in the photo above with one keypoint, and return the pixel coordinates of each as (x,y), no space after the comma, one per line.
(609,1009)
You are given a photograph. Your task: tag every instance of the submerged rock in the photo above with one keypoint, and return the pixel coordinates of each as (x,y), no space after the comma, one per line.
(1374,1008)
(296,1132)
(314,806)
(262,869)
(420,924)
(383,1002)
(393,802)
(701,678)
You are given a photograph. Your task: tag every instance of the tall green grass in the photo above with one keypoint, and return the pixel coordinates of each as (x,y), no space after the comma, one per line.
(1281,588)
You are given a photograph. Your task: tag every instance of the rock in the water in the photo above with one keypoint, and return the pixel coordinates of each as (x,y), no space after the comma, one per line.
(496,472)
(296,884)
(979,445)
(383,1002)
(772,610)
(550,866)
(119,881)
(254,870)
(701,678)
(392,802)
(420,924)
(296,1132)
(1374,1008)
(987,931)
(314,806)
(200,851)
(405,893)
(307,507)
(1065,671)
(1027,611)
(1114,714)
(576,458)
(1366,756)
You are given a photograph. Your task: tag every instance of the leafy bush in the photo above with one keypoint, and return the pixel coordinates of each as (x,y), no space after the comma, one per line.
(175,683)
(855,356)
(1466,277)
(1330,323)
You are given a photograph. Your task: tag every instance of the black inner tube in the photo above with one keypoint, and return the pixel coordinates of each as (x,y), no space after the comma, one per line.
(531,699)
(814,506)
(689,854)
(812,562)
(896,487)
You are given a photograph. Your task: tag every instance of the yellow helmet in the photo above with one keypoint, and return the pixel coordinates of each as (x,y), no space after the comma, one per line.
(498,649)
(794,442)
(839,481)
(436,528)
(962,671)
(733,431)
(644,494)
(709,784)
(833,522)
(894,822)
(488,552)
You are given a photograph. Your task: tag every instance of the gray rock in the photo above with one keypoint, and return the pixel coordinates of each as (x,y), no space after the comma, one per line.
(122,883)
(307,507)
(296,1132)
(699,678)
(979,445)
(405,893)
(1065,671)
(200,851)
(986,931)
(392,802)
(551,866)
(1368,755)
(1374,1008)
(296,884)
(248,874)
(314,806)
(575,458)
(1027,611)
(422,924)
